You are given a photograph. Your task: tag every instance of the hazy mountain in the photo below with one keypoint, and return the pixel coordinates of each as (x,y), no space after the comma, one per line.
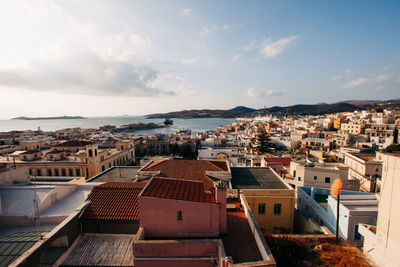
(321,108)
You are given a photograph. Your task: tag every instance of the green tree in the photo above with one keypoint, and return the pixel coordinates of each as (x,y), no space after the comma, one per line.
(263,143)
(185,151)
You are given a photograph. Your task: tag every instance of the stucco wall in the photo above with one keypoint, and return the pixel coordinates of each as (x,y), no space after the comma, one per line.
(12,176)
(159,218)
(386,246)
(268,221)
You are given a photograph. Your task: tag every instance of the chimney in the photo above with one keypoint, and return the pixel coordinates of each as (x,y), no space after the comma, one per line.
(220,198)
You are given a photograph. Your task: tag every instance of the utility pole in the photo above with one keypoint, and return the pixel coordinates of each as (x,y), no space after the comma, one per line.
(335,191)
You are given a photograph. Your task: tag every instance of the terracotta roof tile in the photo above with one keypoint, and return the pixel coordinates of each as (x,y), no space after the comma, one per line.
(73,143)
(284,161)
(114,201)
(178,189)
(220,164)
(193,170)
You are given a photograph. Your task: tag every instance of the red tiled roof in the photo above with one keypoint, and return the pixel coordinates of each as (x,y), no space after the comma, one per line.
(284,161)
(178,189)
(74,143)
(239,242)
(193,170)
(220,164)
(114,201)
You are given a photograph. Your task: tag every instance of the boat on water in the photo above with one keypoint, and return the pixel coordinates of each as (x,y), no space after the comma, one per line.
(168,121)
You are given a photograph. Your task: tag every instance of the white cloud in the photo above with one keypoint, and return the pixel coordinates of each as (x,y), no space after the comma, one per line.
(235,58)
(230,27)
(271,49)
(189,61)
(253,93)
(187,11)
(274,93)
(347,71)
(207,29)
(110,68)
(367,81)
(337,77)
(75,54)
(250,46)
(173,85)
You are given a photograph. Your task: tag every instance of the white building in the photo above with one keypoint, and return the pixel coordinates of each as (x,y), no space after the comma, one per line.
(305,173)
(366,168)
(382,243)
(355,208)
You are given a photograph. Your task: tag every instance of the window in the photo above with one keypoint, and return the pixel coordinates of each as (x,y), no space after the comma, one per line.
(277,209)
(294,173)
(103,168)
(70,172)
(299,178)
(78,172)
(179,216)
(95,152)
(49,172)
(39,172)
(357,235)
(261,208)
(64,172)
(90,153)
(327,180)
(315,177)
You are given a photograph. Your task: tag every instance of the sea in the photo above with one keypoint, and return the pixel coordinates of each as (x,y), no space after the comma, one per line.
(195,125)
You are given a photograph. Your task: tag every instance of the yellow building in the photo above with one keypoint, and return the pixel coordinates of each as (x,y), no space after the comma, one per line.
(269,197)
(73,159)
(338,121)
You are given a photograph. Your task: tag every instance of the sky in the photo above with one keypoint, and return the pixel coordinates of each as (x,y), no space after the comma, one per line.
(109,58)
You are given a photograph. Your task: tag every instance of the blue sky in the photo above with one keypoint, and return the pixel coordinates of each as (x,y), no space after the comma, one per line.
(97,58)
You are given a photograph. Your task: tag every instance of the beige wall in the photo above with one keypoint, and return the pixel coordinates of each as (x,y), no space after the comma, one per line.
(307,175)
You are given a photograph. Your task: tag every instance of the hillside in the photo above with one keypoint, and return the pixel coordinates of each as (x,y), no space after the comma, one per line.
(241,111)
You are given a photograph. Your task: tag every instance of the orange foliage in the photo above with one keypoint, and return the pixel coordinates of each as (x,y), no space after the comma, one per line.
(336,187)
(342,256)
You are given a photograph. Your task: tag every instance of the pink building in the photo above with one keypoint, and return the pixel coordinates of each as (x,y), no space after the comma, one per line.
(183,225)
(180,208)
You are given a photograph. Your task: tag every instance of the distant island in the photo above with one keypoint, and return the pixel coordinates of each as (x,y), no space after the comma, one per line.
(49,118)
(137,126)
(314,109)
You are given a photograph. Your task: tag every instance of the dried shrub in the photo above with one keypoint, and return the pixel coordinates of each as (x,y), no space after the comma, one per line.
(342,256)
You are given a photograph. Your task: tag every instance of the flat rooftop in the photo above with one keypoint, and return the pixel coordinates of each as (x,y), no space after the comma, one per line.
(365,156)
(116,174)
(256,178)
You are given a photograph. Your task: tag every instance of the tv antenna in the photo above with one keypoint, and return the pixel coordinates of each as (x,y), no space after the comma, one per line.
(36,210)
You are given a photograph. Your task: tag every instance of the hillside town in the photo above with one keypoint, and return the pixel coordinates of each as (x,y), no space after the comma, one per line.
(261,191)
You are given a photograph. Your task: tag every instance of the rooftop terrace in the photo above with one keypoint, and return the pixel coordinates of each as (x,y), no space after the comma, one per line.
(239,240)
(116,174)
(256,178)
